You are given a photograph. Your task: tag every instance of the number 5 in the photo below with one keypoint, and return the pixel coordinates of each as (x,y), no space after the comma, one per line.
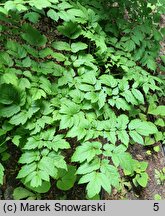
(156,207)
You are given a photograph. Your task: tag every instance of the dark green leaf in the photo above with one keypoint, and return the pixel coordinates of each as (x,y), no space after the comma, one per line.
(66,178)
(33,36)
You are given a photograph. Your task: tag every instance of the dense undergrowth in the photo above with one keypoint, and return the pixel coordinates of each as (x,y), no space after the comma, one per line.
(85,70)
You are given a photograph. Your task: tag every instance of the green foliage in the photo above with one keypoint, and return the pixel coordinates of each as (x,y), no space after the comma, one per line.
(160,176)
(43,188)
(74,97)
(157,197)
(32,36)
(70,29)
(66,178)
(1,173)
(22,193)
(95,182)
